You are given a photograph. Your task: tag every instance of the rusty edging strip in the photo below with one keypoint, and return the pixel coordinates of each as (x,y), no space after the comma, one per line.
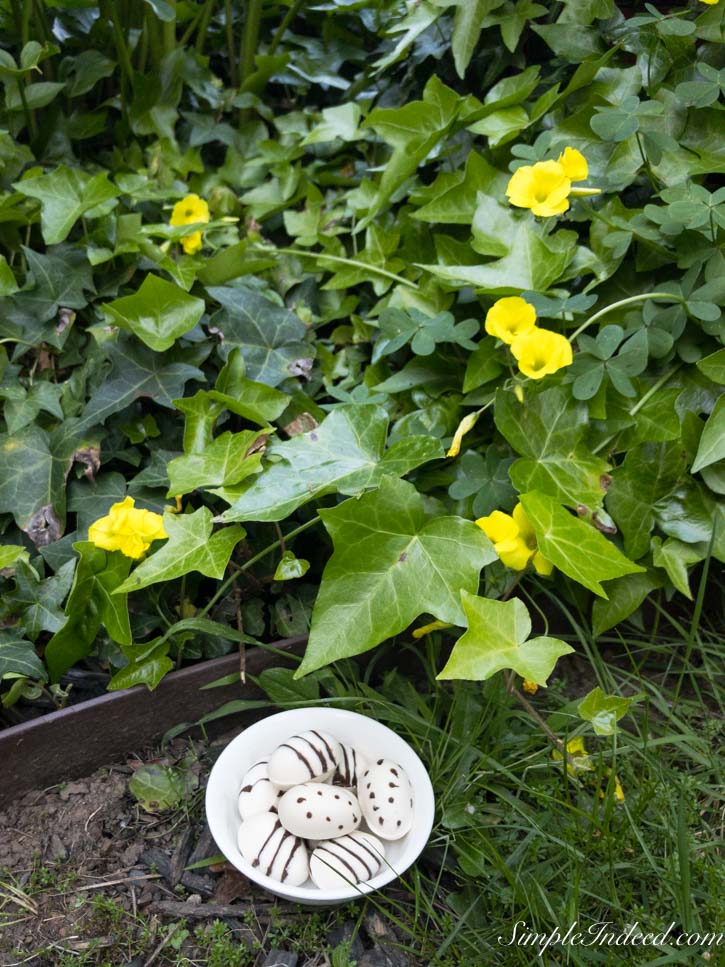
(76,741)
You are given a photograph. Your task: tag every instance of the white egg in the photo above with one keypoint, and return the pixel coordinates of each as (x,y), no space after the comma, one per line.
(258,793)
(386,799)
(274,851)
(317,811)
(350,766)
(337,863)
(308,756)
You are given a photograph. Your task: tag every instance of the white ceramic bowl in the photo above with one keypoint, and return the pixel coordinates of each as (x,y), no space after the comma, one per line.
(371,738)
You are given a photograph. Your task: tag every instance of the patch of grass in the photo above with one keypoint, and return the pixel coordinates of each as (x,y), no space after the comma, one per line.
(522,841)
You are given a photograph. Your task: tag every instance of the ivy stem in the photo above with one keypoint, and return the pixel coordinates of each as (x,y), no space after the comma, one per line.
(339,260)
(654,388)
(226,584)
(287,20)
(250,39)
(229,31)
(630,300)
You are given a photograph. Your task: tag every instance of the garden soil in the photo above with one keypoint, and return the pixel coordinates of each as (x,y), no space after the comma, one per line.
(87,876)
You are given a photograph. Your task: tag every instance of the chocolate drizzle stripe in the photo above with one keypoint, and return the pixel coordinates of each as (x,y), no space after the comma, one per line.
(345,772)
(361,859)
(286,745)
(327,747)
(277,825)
(341,859)
(316,749)
(282,839)
(295,846)
(369,849)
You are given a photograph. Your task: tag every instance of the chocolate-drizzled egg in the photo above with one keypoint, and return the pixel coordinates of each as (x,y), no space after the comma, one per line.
(356,858)
(386,799)
(311,755)
(350,766)
(269,847)
(258,793)
(318,811)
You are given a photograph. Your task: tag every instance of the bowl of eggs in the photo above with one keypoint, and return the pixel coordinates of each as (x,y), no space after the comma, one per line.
(320,805)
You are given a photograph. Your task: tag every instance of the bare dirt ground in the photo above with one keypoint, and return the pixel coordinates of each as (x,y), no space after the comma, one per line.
(87,877)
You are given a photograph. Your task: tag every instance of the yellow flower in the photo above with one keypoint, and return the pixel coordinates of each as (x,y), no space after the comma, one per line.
(514,540)
(574,164)
(618,791)
(189,211)
(509,317)
(530,687)
(578,756)
(709,2)
(543,187)
(541,352)
(127,530)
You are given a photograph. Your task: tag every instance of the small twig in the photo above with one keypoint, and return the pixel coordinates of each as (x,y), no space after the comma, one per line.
(157,950)
(127,879)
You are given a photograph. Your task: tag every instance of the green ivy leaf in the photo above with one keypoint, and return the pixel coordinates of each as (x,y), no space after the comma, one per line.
(290,567)
(40,601)
(136,371)
(390,565)
(467,26)
(625,595)
(191,547)
(158,313)
(32,485)
(65,195)
(413,130)
(18,658)
(603,711)
(57,281)
(533,262)
(712,441)
(271,337)
(546,429)
(496,639)
(148,663)
(345,454)
(92,602)
(11,555)
(648,473)
(452,198)
(573,546)
(223,463)
(675,557)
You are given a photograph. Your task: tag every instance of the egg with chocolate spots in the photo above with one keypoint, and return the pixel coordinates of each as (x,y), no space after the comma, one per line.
(317,811)
(386,800)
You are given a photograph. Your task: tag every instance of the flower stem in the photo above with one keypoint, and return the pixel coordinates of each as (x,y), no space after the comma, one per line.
(630,300)
(654,388)
(340,261)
